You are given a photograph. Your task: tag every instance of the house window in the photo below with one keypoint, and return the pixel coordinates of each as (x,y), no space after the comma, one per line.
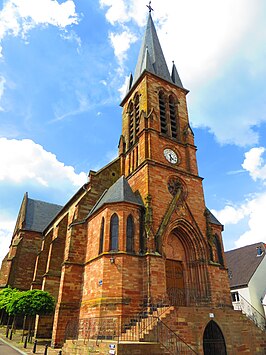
(114,229)
(235,296)
(162,113)
(130,234)
(101,237)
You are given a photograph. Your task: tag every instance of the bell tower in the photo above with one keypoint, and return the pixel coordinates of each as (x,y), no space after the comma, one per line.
(158,159)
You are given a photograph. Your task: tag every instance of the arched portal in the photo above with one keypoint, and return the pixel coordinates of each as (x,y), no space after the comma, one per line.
(185,266)
(213,340)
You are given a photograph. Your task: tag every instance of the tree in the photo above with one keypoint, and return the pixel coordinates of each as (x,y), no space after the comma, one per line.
(27,304)
(6,297)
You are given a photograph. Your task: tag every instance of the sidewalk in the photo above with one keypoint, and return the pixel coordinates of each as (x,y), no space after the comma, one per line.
(18,345)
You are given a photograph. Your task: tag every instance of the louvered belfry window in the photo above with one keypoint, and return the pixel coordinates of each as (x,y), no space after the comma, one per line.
(172,112)
(131,123)
(134,119)
(162,107)
(114,232)
(169,119)
(130,234)
(137,114)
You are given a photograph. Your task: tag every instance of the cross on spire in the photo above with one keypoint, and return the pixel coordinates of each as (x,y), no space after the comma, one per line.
(149,7)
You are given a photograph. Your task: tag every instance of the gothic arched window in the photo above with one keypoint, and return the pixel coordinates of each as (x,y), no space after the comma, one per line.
(101,237)
(218,247)
(134,119)
(162,108)
(130,234)
(114,231)
(137,114)
(131,123)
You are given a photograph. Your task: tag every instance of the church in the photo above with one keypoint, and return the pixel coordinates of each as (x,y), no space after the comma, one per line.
(135,259)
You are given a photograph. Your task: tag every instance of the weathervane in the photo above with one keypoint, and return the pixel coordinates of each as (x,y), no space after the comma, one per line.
(149,7)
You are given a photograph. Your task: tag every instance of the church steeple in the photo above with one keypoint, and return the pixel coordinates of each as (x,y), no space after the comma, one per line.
(151,56)
(151,59)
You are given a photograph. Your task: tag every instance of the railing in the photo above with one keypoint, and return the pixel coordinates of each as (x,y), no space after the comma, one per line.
(143,327)
(171,341)
(250,311)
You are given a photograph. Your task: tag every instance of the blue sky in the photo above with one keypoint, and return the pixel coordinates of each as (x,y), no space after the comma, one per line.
(63,68)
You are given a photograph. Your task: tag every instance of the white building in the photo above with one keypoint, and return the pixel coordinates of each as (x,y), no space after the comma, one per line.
(247,274)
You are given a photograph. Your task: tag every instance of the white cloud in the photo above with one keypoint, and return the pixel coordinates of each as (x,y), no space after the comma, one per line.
(25,161)
(231,214)
(6,229)
(18,17)
(252,209)
(255,164)
(116,10)
(121,43)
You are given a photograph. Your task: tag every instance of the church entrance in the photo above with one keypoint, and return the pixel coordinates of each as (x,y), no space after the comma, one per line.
(175,282)
(213,340)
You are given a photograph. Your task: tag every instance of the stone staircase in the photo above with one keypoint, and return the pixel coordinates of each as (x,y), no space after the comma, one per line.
(138,328)
(144,334)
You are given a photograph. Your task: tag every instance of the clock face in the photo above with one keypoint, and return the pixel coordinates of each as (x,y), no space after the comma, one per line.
(171,156)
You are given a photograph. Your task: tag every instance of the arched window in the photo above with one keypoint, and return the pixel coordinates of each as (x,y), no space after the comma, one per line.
(101,237)
(134,119)
(137,114)
(218,249)
(210,252)
(130,234)
(162,113)
(114,231)
(131,123)
(172,111)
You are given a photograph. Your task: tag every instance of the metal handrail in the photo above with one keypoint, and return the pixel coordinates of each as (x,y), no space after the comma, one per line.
(171,341)
(251,312)
(128,328)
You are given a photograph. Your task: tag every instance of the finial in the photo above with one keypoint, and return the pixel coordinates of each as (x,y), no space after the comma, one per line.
(149,7)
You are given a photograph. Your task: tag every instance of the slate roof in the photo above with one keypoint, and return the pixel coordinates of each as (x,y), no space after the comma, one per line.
(39,214)
(120,191)
(151,57)
(212,219)
(242,263)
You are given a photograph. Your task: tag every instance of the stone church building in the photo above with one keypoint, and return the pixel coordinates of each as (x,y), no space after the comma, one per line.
(136,241)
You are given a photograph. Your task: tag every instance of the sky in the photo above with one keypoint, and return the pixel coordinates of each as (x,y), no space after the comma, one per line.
(64,66)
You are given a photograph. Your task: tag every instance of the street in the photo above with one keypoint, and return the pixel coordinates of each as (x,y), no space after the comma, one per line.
(5,349)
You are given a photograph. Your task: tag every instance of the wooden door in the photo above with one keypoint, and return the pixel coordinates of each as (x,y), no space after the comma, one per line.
(175,282)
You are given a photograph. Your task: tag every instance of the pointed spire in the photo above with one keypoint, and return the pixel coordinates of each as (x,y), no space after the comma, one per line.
(175,77)
(130,81)
(154,60)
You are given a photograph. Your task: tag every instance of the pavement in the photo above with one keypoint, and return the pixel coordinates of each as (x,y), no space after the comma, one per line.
(7,349)
(16,346)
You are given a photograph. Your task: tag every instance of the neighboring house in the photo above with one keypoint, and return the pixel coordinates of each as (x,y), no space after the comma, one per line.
(247,270)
